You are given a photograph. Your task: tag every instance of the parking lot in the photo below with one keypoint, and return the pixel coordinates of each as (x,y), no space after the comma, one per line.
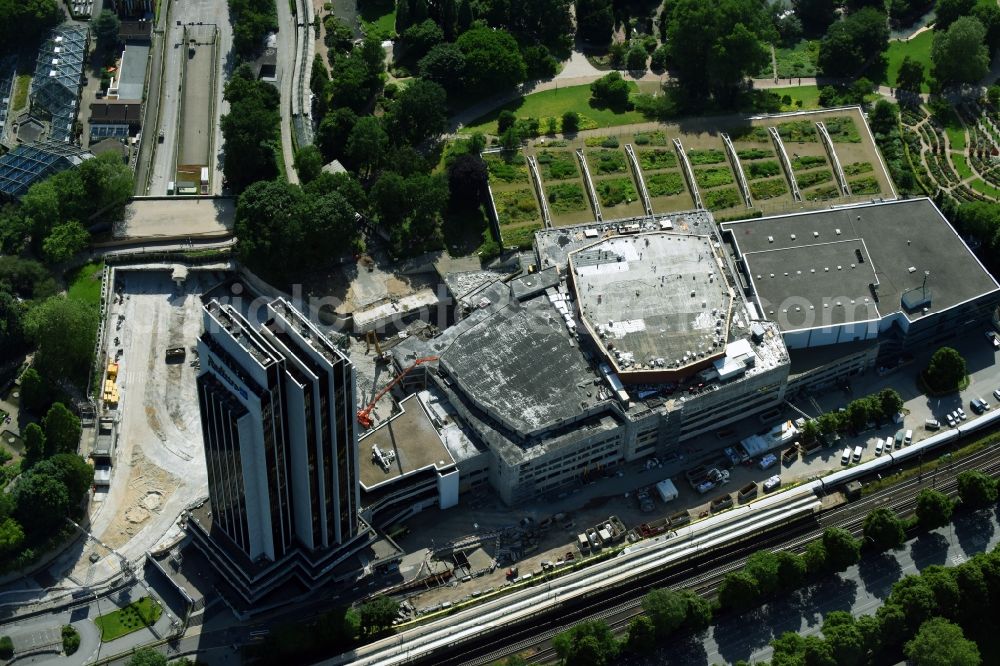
(614,493)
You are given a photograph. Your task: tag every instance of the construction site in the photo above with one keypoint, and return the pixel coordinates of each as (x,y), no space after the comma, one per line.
(730,166)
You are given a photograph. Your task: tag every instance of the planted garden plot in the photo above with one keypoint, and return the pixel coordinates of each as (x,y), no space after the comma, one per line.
(768,189)
(603,162)
(557,164)
(659,158)
(507,167)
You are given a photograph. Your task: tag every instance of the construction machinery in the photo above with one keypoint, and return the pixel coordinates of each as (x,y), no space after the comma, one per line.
(364,415)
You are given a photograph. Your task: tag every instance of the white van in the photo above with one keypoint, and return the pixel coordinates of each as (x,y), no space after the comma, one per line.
(908,439)
(879,446)
(846,458)
(857,453)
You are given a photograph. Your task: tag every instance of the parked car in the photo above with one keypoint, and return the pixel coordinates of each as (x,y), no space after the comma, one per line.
(768,461)
(950,418)
(932,424)
(846,458)
(771,483)
(996,394)
(978,406)
(879,446)
(857,453)
(992,337)
(961,413)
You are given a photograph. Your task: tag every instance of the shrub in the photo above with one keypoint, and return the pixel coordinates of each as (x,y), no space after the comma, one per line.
(70,639)
(811,178)
(557,165)
(754,154)
(566,197)
(608,161)
(768,189)
(718,199)
(615,191)
(713,176)
(864,186)
(664,184)
(710,156)
(659,158)
(807,161)
(764,169)
(6,647)
(570,122)
(857,168)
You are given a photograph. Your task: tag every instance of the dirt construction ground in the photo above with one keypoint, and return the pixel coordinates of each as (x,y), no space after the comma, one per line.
(160,461)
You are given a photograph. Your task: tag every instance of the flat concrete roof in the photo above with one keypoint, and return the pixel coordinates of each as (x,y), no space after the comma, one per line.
(518,363)
(814,269)
(132,77)
(412,437)
(653,300)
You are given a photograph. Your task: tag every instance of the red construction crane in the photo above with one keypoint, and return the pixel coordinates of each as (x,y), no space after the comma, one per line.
(364,415)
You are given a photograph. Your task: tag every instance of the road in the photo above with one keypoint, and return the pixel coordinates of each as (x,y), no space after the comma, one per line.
(171,93)
(287,44)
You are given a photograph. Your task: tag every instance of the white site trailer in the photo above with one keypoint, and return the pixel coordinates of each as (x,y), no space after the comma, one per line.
(667,490)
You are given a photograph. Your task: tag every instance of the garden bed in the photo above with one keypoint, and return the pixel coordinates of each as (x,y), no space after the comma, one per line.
(762,169)
(664,184)
(713,176)
(507,167)
(566,198)
(727,197)
(606,161)
(557,164)
(516,206)
(657,159)
(615,192)
(768,189)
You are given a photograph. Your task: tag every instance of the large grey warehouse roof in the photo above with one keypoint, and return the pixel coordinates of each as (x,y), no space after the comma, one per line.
(857,263)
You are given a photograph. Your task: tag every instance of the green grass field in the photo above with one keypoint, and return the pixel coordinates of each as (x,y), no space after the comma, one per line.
(918,48)
(378,18)
(137,615)
(953,128)
(552,104)
(21,85)
(809,95)
(985,188)
(85,283)
(961,165)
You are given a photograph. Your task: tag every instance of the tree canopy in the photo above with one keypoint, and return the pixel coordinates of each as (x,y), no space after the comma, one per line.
(493,60)
(960,54)
(595,20)
(854,44)
(883,529)
(976,489)
(946,370)
(590,643)
(65,332)
(714,46)
(250,129)
(934,509)
(942,643)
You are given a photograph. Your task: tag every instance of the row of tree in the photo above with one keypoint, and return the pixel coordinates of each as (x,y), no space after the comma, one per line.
(770,575)
(252,21)
(876,408)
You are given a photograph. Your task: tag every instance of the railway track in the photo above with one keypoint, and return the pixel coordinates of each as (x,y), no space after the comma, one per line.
(705,575)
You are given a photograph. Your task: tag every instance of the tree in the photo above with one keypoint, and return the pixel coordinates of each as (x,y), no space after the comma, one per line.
(367,145)
(62,430)
(418,113)
(844,638)
(739,591)
(338,35)
(42,503)
(539,63)
(493,61)
(421,37)
(976,489)
(641,635)
(308,163)
(467,181)
(942,643)
(934,509)
(34,393)
(842,549)
(465,17)
(105,28)
(595,21)
(611,91)
(11,536)
(334,130)
(763,566)
(635,60)
(505,121)
(829,422)
(65,333)
(791,571)
(6,647)
(890,402)
(378,615)
(250,130)
(852,45)
(960,54)
(989,16)
(65,241)
(72,471)
(147,657)
(816,15)
(857,414)
(714,46)
(34,444)
(445,65)
(911,75)
(268,230)
(666,609)
(25,21)
(883,529)
(570,122)
(589,643)
(70,639)
(915,599)
(947,12)
(946,371)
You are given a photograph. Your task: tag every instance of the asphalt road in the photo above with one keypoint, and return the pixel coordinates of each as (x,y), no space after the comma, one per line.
(287,43)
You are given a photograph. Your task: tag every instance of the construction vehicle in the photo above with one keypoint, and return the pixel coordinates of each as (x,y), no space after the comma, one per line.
(364,415)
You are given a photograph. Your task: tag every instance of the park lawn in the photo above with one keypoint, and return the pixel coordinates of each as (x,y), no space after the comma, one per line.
(552,104)
(809,95)
(137,615)
(953,128)
(378,18)
(918,48)
(983,187)
(961,165)
(85,283)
